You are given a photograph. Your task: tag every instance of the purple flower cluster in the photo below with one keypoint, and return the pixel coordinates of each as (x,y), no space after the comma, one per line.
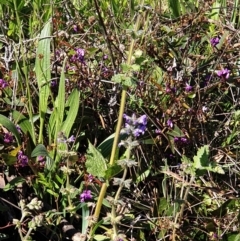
(135,126)
(170,123)
(180,140)
(3,84)
(8,137)
(224,73)
(215,41)
(86,196)
(22,159)
(78,56)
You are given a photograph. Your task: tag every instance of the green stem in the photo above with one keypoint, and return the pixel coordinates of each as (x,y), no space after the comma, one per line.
(119,124)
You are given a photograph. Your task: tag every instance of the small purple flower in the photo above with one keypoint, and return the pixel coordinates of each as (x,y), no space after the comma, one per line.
(214,41)
(18,129)
(224,73)
(142,120)
(85,196)
(23,159)
(72,138)
(188,87)
(140,130)
(157,131)
(78,56)
(170,123)
(75,28)
(127,118)
(105,57)
(176,139)
(8,138)
(3,84)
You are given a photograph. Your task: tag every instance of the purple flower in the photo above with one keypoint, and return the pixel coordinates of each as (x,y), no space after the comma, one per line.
(142,120)
(105,57)
(78,56)
(72,138)
(214,41)
(75,28)
(23,159)
(224,73)
(180,140)
(8,138)
(188,87)
(135,126)
(85,196)
(170,123)
(3,84)
(140,130)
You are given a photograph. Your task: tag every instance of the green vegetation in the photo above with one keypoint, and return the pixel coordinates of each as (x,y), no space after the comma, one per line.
(119,120)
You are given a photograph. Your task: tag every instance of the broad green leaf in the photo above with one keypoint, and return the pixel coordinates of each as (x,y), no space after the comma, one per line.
(43,73)
(11,127)
(73,102)
(13,183)
(23,122)
(106,146)
(95,163)
(39,150)
(175,7)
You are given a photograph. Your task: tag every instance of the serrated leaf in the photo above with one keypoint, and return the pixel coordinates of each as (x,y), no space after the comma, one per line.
(11,127)
(95,163)
(201,159)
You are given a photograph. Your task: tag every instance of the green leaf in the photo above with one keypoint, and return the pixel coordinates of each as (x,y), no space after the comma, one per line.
(60,100)
(23,122)
(43,73)
(11,127)
(112,171)
(9,159)
(100,237)
(73,102)
(175,7)
(106,146)
(201,159)
(39,150)
(13,183)
(53,193)
(95,163)
(85,220)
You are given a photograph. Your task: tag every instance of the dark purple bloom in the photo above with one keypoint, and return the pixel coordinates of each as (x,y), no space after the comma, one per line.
(85,196)
(78,56)
(214,41)
(3,84)
(140,130)
(8,138)
(188,87)
(169,123)
(180,140)
(135,126)
(23,159)
(176,139)
(224,73)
